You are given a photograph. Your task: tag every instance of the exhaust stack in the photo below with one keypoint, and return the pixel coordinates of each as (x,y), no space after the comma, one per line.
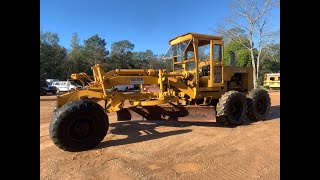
(232,58)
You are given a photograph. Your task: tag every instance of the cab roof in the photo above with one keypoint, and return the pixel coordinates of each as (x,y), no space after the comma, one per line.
(191,35)
(272,74)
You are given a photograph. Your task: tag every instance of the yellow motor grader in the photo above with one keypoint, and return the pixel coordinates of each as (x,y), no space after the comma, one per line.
(197,87)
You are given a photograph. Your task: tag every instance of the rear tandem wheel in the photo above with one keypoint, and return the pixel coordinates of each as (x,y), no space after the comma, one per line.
(258,104)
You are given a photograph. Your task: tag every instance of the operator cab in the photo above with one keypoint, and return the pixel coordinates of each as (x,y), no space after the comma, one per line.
(199,57)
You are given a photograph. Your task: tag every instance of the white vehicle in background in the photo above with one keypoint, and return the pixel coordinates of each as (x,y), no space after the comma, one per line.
(50,81)
(122,88)
(66,85)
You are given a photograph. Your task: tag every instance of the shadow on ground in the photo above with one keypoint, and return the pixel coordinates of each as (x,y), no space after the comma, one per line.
(48,99)
(137,131)
(49,94)
(274,113)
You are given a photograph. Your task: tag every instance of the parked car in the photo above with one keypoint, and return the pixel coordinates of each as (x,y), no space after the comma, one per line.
(122,88)
(66,85)
(50,81)
(45,87)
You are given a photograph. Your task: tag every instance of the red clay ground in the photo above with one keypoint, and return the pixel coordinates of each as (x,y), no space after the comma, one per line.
(168,150)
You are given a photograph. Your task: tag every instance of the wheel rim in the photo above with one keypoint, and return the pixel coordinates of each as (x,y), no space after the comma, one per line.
(261,105)
(235,110)
(82,129)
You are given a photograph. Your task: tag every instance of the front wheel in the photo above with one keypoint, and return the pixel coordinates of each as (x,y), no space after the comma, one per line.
(78,125)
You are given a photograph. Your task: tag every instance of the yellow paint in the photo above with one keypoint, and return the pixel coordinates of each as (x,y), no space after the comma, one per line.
(191,83)
(272,80)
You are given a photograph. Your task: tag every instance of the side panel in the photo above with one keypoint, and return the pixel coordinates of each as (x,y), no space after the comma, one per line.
(217,74)
(246,74)
(124,80)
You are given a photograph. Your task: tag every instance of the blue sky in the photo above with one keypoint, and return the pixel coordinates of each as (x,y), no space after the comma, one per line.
(148,24)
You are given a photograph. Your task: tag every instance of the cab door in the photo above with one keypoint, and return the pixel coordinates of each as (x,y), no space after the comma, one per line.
(217,63)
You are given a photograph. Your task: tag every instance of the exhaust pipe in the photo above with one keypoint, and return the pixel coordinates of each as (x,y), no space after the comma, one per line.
(232,58)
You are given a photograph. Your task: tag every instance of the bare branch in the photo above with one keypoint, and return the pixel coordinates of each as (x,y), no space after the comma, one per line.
(233,36)
(260,12)
(236,24)
(244,11)
(252,16)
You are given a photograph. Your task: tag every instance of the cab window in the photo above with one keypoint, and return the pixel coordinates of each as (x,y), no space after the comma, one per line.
(217,52)
(204,50)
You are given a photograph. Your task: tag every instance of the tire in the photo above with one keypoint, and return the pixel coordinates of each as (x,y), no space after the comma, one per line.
(54,92)
(258,104)
(78,125)
(231,108)
(42,92)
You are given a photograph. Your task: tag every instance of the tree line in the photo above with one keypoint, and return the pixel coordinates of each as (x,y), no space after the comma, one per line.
(57,62)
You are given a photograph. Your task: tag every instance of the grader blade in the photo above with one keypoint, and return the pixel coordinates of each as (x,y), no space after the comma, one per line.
(189,113)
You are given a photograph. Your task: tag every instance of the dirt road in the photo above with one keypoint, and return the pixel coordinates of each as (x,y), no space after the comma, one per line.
(168,150)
